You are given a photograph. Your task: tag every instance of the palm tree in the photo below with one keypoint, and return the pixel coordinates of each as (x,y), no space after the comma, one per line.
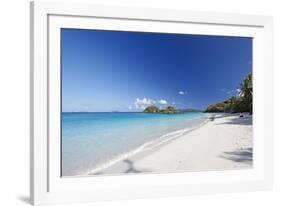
(247,91)
(247,87)
(232,102)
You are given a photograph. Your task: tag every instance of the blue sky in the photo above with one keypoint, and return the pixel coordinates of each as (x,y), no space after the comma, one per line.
(106,71)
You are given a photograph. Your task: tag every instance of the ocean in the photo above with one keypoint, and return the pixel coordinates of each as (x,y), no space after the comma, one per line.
(93,141)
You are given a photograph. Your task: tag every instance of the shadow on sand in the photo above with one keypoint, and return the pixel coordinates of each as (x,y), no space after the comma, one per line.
(241,155)
(223,115)
(131,168)
(239,121)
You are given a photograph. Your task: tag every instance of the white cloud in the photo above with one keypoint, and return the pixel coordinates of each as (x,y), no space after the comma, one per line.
(239,92)
(143,103)
(182,92)
(130,107)
(162,101)
(234,92)
(231,92)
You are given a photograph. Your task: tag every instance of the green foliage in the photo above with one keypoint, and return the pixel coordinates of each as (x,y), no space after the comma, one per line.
(241,106)
(169,110)
(247,93)
(243,103)
(154,109)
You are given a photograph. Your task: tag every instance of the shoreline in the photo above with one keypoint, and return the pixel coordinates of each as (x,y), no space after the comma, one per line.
(146,148)
(221,144)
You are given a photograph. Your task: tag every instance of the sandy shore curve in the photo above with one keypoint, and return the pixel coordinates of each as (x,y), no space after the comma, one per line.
(224,143)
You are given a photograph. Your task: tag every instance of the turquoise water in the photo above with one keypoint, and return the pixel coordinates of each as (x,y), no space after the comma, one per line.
(94,141)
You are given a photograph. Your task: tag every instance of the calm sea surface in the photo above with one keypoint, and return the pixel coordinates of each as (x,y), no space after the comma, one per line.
(94,141)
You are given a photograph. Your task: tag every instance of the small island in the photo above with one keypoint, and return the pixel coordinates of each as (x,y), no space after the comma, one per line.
(155,109)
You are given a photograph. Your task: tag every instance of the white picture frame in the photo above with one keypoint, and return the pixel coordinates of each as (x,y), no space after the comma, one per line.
(46,184)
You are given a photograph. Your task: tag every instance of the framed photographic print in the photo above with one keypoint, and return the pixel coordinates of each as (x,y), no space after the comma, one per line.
(137,103)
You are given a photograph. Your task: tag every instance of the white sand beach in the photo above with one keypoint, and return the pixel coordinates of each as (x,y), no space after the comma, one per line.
(224,143)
